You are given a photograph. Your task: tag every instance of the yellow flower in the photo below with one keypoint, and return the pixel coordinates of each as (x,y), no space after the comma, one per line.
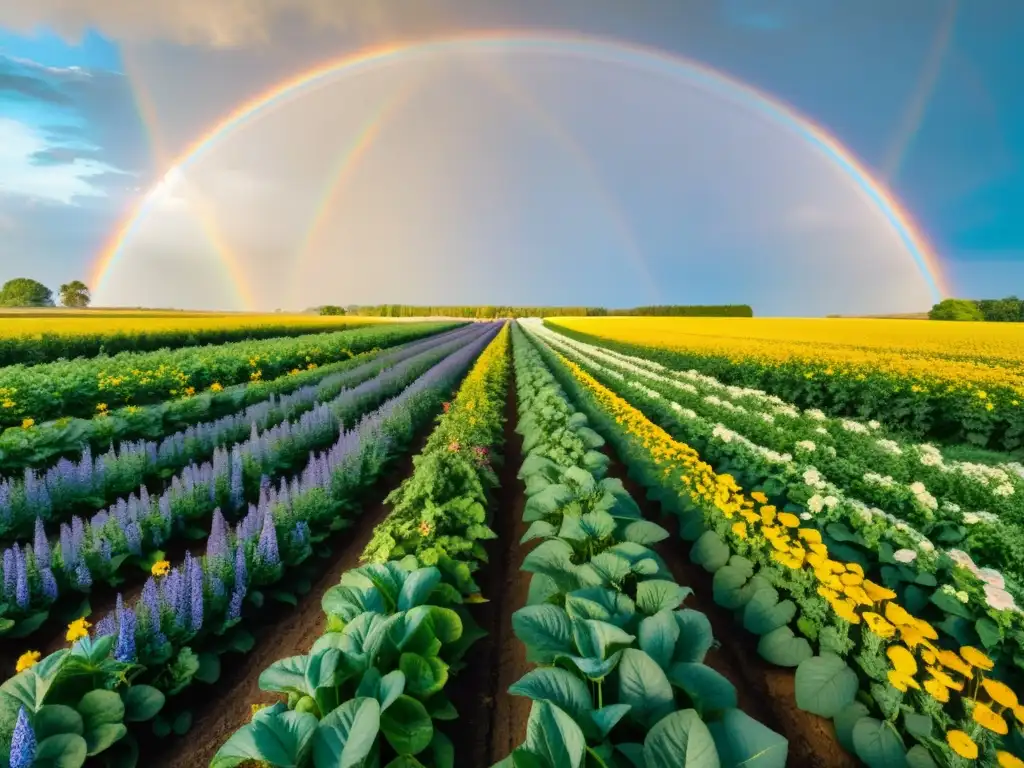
(78,629)
(984,716)
(902,682)
(27,660)
(1006,760)
(940,674)
(962,744)
(101,407)
(877,592)
(768,514)
(926,629)
(845,610)
(26,423)
(855,568)
(759,497)
(898,615)
(902,659)
(1018,712)
(190,391)
(828,593)
(810,535)
(216,387)
(950,660)
(878,625)
(851,579)
(740,530)
(857,594)
(976,658)
(160,568)
(1001,693)
(938,691)
(789,520)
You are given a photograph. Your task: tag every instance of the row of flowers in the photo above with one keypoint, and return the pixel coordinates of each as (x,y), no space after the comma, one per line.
(373,687)
(77,388)
(979,401)
(908,683)
(621,672)
(190,615)
(130,532)
(71,485)
(43,443)
(803,484)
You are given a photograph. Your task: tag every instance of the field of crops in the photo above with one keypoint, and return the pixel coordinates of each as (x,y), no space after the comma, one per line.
(574,543)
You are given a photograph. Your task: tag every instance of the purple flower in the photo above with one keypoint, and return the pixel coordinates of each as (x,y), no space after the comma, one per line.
(241,572)
(237,490)
(217,544)
(235,608)
(41,545)
(133,536)
(107,626)
(21,593)
(197,596)
(48,584)
(82,576)
(266,550)
(10,574)
(23,742)
(124,651)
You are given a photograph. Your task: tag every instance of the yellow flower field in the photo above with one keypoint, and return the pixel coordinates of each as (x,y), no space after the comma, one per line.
(973,355)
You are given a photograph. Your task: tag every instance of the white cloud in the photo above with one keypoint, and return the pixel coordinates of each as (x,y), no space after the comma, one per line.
(59,183)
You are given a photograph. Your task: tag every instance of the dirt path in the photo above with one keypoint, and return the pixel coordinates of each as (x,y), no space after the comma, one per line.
(765,692)
(230,704)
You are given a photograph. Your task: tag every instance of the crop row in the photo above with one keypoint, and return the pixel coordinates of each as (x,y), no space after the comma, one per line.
(621,673)
(949,400)
(90,483)
(33,340)
(141,656)
(919,523)
(132,531)
(85,387)
(901,689)
(42,445)
(372,689)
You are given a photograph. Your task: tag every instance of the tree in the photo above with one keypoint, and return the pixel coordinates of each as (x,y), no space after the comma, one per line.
(956,309)
(1006,310)
(25,292)
(330,309)
(75,294)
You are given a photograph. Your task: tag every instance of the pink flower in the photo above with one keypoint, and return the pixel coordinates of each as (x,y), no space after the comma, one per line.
(999,599)
(454,446)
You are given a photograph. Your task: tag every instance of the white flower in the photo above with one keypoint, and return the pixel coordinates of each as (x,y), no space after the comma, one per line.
(926,545)
(812,477)
(815,503)
(918,488)
(1003,490)
(806,515)
(998,598)
(853,426)
(970,518)
(815,414)
(905,555)
(962,596)
(806,445)
(874,424)
(830,501)
(889,446)
(962,558)
(821,430)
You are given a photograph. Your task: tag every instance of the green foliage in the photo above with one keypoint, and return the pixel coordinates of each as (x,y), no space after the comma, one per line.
(25,292)
(491,312)
(956,309)
(1008,310)
(75,294)
(332,309)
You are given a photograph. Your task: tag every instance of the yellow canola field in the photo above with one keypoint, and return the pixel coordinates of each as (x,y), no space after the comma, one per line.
(104,323)
(969,355)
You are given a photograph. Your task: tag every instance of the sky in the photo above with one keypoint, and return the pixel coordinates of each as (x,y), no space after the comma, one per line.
(599,152)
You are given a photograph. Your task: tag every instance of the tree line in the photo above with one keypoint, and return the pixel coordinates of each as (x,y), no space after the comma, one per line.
(492,311)
(25,292)
(1008,310)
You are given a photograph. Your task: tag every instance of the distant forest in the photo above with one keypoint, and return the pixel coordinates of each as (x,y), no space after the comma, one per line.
(482,312)
(1008,310)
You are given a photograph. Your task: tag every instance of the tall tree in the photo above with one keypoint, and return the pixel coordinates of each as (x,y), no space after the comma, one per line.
(75,294)
(25,292)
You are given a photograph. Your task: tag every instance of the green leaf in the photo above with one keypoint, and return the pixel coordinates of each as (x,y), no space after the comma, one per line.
(764,613)
(825,685)
(545,630)
(209,668)
(28,625)
(680,740)
(658,635)
(710,552)
(424,676)
(606,718)
(182,723)
(644,686)
(539,529)
(919,726)
(29,688)
(54,719)
(599,639)
(141,703)
(443,751)
(695,636)
(656,595)
(283,739)
(557,686)
(554,737)
(877,744)
(988,631)
(644,532)
(64,750)
(919,757)
(100,707)
(707,689)
(846,721)
(782,647)
(285,676)
(417,587)
(727,587)
(347,735)
(743,742)
(407,726)
(102,737)
(600,604)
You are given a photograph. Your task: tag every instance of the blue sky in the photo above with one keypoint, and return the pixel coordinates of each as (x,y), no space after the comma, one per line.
(669,195)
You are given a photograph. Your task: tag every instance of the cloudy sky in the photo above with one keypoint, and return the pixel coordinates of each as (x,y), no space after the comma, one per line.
(530,167)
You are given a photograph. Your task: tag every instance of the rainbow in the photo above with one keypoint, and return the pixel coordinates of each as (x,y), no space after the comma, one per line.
(569,45)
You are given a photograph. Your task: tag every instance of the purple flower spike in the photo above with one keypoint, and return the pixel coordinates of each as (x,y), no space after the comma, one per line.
(266,550)
(197,596)
(124,651)
(23,742)
(82,576)
(41,545)
(107,626)
(21,593)
(217,544)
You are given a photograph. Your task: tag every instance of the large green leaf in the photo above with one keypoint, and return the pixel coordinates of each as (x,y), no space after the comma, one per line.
(878,744)
(782,647)
(545,630)
(64,750)
(601,604)
(658,635)
(643,532)
(599,639)
(644,686)
(559,687)
(283,739)
(407,726)
(103,737)
(539,529)
(554,737)
(707,689)
(695,636)
(764,613)
(710,552)
(606,718)
(286,676)
(417,587)
(346,736)
(846,721)
(728,587)
(656,595)
(919,757)
(424,676)
(743,742)
(680,740)
(825,685)
(53,719)
(30,687)
(100,707)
